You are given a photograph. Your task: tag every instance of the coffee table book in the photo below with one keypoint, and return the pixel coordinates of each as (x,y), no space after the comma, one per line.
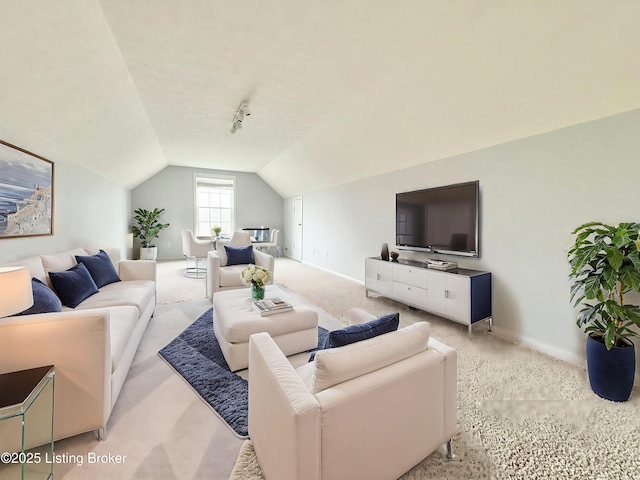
(271,306)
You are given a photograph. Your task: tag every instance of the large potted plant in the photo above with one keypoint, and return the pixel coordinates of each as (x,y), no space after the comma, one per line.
(147,231)
(605,265)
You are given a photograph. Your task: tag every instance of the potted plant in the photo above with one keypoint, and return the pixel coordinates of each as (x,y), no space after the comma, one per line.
(216,231)
(147,231)
(605,265)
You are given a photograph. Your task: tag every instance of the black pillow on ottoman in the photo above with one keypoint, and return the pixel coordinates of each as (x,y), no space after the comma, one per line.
(100,267)
(73,285)
(44,299)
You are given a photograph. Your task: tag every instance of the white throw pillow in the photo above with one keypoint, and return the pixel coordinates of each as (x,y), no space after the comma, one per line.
(222,253)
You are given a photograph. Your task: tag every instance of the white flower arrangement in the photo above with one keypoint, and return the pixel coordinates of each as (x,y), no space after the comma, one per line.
(256,275)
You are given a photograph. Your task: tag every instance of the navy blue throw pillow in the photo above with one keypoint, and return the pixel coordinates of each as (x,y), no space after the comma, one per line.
(363,331)
(73,285)
(239,255)
(100,268)
(44,299)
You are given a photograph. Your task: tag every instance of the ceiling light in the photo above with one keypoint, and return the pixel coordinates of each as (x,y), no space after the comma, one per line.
(242,112)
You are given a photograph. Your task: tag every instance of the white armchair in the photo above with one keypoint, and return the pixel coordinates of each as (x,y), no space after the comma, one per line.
(274,241)
(372,409)
(223,276)
(195,249)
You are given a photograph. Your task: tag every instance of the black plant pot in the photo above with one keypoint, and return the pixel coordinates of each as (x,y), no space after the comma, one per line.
(611,372)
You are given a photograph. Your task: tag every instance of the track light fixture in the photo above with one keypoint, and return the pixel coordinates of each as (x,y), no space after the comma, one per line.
(242,112)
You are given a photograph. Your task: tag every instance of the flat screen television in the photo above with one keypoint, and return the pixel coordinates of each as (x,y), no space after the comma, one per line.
(440,220)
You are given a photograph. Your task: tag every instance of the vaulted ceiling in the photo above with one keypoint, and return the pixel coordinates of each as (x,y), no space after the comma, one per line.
(339,89)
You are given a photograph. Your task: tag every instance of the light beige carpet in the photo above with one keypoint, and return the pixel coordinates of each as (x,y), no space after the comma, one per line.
(521,414)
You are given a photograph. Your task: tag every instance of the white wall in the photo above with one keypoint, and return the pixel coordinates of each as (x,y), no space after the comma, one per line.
(534,192)
(89,211)
(257,204)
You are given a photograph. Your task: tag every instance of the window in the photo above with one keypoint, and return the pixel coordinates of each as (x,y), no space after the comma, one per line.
(214,204)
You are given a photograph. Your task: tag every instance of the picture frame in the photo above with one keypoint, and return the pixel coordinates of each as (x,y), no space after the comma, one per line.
(26,193)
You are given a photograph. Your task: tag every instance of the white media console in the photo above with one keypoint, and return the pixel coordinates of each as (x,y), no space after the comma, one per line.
(461,295)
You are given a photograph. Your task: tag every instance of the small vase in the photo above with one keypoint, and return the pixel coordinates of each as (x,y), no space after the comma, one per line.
(384,253)
(257,292)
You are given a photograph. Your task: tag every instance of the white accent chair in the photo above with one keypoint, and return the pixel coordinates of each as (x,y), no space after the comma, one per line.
(372,409)
(274,242)
(195,249)
(221,276)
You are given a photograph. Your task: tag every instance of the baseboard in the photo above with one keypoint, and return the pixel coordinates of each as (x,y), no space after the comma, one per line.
(573,359)
(540,347)
(333,272)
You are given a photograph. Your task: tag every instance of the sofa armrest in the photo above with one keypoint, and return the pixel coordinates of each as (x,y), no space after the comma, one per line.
(137,270)
(450,384)
(284,417)
(213,273)
(358,316)
(78,344)
(264,260)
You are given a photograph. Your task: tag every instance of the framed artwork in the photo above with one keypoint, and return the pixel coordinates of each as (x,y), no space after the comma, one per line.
(26,193)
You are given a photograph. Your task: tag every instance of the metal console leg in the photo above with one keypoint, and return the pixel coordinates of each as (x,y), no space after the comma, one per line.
(450,448)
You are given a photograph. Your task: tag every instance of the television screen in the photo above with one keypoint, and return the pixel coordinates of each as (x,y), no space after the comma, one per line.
(442,219)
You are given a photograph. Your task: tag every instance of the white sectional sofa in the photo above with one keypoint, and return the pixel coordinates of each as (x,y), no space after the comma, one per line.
(91,346)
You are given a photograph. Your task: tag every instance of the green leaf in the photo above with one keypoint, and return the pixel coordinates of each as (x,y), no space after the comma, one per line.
(587,314)
(591,287)
(587,226)
(615,257)
(630,277)
(609,279)
(610,335)
(621,238)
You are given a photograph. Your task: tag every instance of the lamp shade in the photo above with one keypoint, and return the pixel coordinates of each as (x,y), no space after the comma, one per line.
(16,294)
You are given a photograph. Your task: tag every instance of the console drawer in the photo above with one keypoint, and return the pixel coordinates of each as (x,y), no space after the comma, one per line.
(410,294)
(411,275)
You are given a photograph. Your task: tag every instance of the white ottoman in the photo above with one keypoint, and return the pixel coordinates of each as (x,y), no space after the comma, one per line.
(235,321)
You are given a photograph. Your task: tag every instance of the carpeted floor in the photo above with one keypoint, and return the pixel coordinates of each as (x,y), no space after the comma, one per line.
(521,414)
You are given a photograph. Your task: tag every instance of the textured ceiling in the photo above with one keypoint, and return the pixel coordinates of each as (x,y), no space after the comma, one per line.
(338,89)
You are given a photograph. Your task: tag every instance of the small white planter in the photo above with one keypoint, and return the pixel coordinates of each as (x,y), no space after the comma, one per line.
(148,253)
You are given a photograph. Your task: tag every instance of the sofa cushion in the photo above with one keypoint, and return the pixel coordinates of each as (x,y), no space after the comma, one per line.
(59,262)
(239,255)
(337,365)
(44,299)
(230,276)
(100,267)
(222,252)
(73,285)
(363,331)
(135,293)
(34,264)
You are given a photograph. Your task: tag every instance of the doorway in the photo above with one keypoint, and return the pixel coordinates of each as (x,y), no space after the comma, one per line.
(296,247)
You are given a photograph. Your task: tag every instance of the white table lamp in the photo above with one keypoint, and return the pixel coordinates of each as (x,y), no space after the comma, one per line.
(16,294)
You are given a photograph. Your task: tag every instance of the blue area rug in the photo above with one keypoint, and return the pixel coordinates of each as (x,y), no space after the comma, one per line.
(195,354)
